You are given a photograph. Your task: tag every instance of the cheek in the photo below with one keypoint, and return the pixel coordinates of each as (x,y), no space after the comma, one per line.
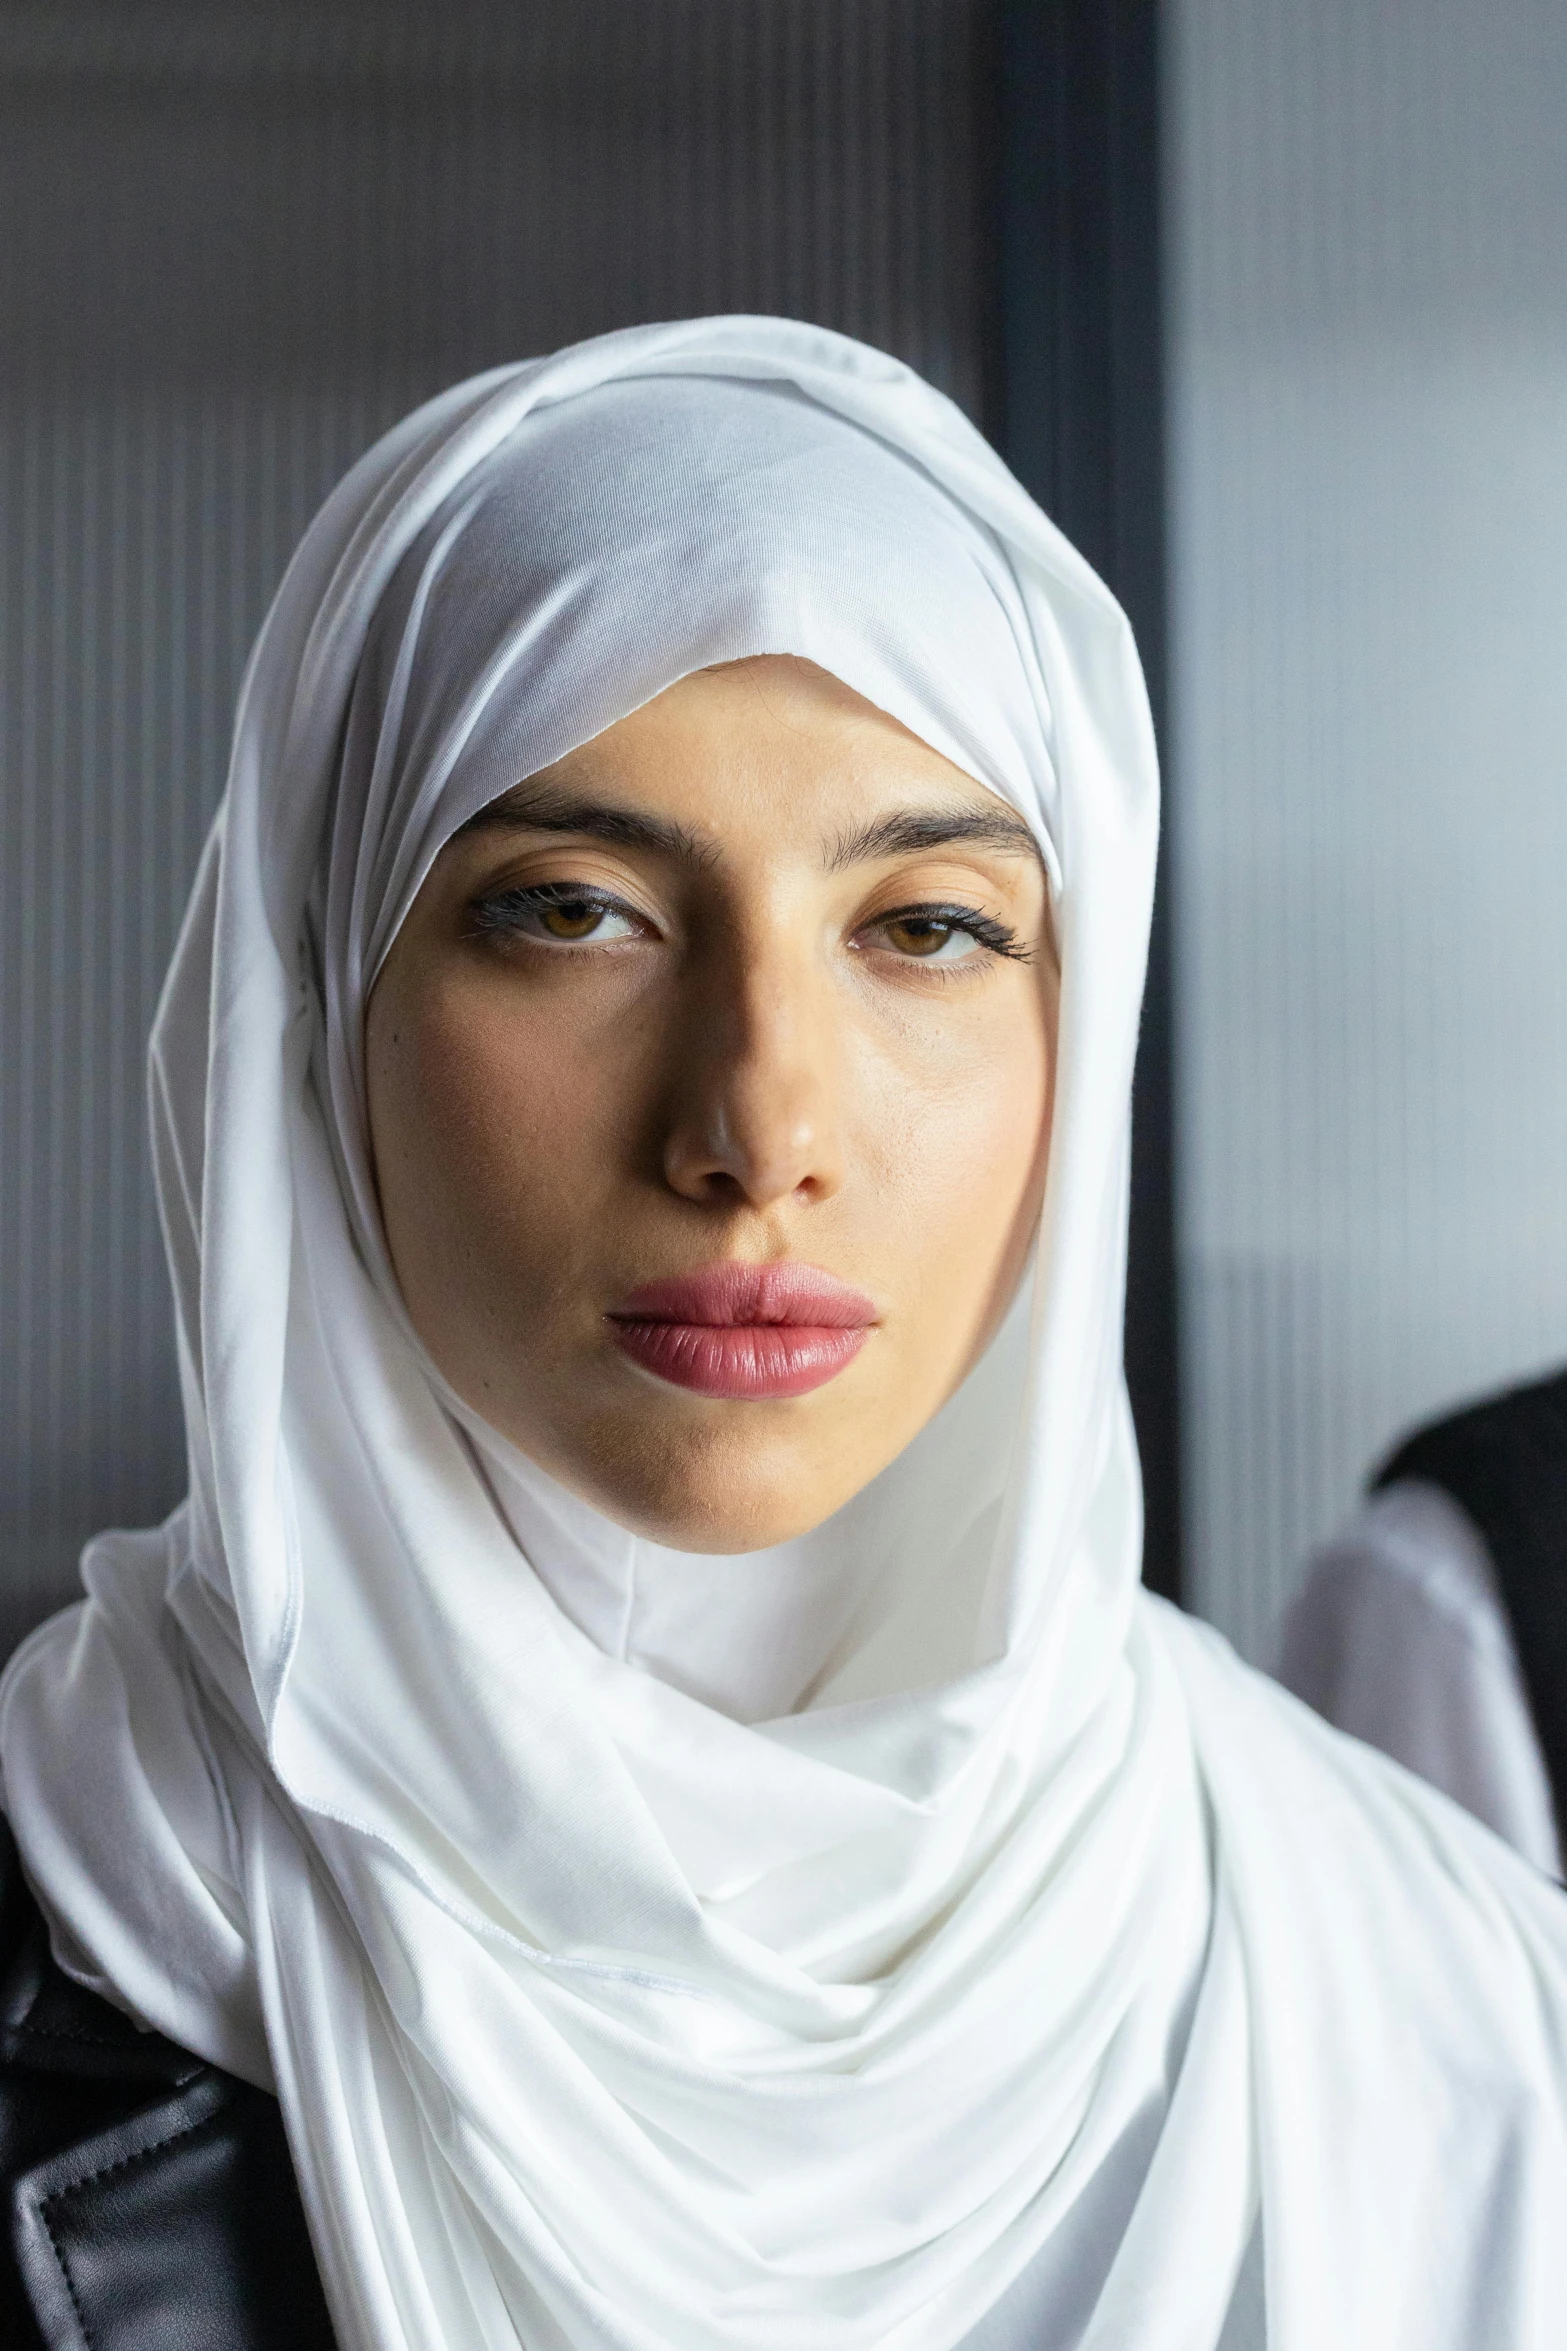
(493,1132)
(957,1135)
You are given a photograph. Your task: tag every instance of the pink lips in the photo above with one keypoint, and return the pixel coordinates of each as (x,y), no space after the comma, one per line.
(745,1330)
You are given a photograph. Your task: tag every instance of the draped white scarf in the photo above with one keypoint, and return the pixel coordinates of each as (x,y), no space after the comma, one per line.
(838,1947)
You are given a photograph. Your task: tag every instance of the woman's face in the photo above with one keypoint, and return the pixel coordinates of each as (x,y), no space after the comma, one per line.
(709,1084)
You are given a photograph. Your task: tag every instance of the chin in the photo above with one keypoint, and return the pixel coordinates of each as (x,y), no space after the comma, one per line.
(728,1518)
(721,1489)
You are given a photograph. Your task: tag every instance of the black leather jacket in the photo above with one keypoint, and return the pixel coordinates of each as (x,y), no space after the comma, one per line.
(152,2205)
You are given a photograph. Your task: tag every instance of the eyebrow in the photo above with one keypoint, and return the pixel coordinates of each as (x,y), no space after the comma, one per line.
(937,828)
(541,808)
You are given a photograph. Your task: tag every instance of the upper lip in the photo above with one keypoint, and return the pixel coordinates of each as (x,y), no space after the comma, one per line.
(727,1294)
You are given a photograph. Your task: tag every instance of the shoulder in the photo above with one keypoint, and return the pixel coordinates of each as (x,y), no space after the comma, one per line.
(1411,1544)
(133,2170)
(1401,1608)
(1503,1440)
(1400,1634)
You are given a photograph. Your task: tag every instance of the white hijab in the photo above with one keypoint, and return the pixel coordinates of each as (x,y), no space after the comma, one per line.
(840,1947)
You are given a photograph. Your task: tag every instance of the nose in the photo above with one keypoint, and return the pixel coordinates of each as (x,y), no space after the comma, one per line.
(754,1115)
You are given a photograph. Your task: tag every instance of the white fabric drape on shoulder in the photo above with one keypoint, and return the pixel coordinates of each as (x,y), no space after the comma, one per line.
(841,1947)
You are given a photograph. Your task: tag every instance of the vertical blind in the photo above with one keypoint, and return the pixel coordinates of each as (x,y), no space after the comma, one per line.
(1367,380)
(235,244)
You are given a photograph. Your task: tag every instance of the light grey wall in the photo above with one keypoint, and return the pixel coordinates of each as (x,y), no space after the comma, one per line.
(1368,386)
(235,243)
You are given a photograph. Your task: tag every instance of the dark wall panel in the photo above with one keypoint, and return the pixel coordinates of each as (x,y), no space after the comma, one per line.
(1079,414)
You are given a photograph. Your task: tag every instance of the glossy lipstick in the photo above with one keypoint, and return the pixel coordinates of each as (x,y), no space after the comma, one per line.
(745,1331)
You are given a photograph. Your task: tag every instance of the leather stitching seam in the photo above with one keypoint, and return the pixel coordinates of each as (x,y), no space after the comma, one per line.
(90,2179)
(65,2032)
(65,2272)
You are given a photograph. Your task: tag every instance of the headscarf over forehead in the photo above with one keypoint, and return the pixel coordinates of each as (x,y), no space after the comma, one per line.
(904,1938)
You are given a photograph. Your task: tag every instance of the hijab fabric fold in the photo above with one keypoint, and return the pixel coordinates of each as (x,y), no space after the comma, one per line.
(908,1937)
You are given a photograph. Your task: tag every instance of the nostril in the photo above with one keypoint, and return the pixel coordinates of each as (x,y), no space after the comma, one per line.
(754,1141)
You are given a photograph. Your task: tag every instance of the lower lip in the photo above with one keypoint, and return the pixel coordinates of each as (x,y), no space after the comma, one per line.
(749,1360)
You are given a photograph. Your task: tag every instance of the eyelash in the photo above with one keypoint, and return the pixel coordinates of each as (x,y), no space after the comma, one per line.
(497,918)
(999,937)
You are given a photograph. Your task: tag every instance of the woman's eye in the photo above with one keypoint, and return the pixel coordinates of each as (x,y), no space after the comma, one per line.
(581,918)
(943,935)
(566,918)
(929,939)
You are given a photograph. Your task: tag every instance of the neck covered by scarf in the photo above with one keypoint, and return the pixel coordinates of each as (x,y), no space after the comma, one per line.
(812,1951)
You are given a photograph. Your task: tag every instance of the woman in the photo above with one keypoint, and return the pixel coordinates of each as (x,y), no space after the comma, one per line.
(646,1736)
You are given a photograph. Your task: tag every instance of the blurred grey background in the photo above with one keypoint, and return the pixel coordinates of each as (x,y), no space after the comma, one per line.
(1366,306)
(1327,453)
